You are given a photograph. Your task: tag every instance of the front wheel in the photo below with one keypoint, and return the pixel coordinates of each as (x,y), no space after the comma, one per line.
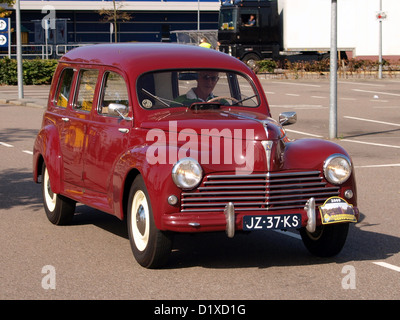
(59,209)
(251,60)
(151,247)
(327,240)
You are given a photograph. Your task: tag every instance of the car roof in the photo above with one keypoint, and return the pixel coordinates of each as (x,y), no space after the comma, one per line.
(142,57)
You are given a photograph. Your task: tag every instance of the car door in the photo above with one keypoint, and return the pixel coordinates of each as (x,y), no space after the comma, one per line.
(107,134)
(73,137)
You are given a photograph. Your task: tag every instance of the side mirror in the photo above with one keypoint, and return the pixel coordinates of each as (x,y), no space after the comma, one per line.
(117,109)
(287,118)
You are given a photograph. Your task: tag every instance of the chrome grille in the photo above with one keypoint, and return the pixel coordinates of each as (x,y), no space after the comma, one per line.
(271,191)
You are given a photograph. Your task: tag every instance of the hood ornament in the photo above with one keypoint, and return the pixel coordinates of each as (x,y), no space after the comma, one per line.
(265,125)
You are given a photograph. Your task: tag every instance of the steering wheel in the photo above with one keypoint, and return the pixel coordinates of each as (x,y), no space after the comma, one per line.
(223,98)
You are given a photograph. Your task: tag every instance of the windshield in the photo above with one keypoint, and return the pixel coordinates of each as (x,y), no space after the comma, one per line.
(183,88)
(227,19)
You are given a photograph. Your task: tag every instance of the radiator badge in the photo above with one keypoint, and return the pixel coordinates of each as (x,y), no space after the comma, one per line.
(268,148)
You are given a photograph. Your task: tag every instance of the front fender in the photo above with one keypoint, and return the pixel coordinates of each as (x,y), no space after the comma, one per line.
(309,153)
(157,178)
(47,148)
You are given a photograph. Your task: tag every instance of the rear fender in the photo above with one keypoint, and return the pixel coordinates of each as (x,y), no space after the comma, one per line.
(47,148)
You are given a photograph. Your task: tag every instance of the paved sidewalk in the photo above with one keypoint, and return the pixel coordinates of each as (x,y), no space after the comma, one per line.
(34,95)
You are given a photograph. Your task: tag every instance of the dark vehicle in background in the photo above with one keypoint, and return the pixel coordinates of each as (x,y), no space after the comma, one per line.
(249,42)
(253,30)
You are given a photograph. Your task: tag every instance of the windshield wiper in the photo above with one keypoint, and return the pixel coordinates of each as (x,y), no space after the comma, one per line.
(161,100)
(248,98)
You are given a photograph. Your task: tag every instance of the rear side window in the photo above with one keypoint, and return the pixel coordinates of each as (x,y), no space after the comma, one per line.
(64,87)
(114,91)
(86,87)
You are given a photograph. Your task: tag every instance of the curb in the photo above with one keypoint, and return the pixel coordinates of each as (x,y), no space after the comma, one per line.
(22,102)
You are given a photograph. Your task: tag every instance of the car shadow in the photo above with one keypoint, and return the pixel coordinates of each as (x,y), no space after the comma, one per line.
(18,189)
(85,215)
(357,134)
(12,135)
(271,249)
(254,249)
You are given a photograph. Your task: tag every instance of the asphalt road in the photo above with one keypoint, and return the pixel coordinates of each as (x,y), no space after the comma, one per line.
(92,259)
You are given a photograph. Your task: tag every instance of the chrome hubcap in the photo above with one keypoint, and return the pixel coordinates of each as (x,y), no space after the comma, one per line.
(140,225)
(141,220)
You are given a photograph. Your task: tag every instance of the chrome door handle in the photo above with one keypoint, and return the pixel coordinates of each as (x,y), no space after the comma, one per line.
(65,119)
(123,130)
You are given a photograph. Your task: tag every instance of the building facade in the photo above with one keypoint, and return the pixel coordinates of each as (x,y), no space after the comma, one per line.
(76,22)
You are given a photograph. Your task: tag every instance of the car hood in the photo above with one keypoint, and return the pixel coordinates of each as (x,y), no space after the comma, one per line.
(239,124)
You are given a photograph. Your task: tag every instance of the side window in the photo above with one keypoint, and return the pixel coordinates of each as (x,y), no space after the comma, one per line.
(249,18)
(64,87)
(86,87)
(114,91)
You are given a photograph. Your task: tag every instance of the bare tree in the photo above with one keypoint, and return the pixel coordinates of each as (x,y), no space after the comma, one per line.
(115,15)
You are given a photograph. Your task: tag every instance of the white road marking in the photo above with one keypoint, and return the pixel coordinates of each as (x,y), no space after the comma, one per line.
(299,84)
(378,92)
(305,133)
(372,143)
(6,145)
(292,95)
(387,107)
(378,100)
(374,121)
(388,265)
(379,165)
(362,84)
(11,146)
(318,97)
(297,106)
(346,140)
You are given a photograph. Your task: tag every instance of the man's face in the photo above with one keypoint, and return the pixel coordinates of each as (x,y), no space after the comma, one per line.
(206,81)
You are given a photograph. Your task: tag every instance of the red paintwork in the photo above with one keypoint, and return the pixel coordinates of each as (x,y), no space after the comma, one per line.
(90,161)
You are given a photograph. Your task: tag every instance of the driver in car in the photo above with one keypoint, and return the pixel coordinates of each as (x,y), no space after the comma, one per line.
(206,81)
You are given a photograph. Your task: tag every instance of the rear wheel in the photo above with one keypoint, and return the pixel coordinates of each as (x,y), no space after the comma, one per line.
(59,209)
(327,240)
(151,247)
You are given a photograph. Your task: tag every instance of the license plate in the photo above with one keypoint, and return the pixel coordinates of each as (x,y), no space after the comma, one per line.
(284,221)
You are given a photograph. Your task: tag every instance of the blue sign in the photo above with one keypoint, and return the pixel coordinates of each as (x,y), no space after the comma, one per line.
(4,32)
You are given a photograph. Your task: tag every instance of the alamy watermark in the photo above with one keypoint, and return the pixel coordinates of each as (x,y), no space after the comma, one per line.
(49,280)
(49,20)
(211,146)
(349,280)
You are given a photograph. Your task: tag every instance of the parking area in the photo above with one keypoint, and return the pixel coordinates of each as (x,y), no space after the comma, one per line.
(266,265)
(368,120)
(368,112)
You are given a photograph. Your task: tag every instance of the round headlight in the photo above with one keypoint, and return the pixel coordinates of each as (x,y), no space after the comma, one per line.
(337,168)
(187,173)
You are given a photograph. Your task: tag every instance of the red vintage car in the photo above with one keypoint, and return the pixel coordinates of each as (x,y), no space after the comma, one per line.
(177,138)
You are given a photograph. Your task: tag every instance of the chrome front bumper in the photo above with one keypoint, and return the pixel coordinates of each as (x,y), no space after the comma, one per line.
(229,212)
